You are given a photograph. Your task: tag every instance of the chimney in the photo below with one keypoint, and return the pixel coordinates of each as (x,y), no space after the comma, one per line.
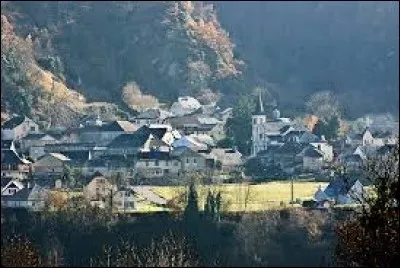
(323,137)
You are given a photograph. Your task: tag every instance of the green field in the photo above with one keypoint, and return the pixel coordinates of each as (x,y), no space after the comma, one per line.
(259,197)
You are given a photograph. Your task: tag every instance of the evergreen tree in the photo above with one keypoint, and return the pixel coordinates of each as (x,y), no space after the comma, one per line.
(192,211)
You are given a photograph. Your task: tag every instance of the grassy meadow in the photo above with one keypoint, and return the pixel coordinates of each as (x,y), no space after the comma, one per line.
(245,197)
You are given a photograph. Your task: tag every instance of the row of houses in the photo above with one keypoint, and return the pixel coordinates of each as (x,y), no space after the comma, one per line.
(278,141)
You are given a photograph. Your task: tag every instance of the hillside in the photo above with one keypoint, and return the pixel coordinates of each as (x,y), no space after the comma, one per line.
(167,48)
(349,48)
(172,48)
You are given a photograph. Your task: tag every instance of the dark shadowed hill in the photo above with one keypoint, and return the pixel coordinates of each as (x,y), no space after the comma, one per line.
(350,48)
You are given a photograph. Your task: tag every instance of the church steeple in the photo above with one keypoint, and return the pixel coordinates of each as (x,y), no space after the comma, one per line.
(260,106)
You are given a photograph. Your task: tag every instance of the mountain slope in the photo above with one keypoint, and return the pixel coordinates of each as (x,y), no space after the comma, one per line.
(350,48)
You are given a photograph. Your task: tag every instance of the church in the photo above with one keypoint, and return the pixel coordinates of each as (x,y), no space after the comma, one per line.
(267,127)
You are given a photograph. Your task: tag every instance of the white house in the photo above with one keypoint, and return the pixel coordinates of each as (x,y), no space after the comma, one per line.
(364,138)
(32,197)
(12,187)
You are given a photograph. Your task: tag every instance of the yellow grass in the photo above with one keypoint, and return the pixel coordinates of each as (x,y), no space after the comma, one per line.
(259,197)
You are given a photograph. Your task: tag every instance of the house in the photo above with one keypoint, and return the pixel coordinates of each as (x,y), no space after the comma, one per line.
(192,161)
(341,191)
(99,190)
(353,162)
(325,148)
(225,114)
(147,137)
(365,151)
(230,159)
(32,197)
(152,116)
(185,105)
(33,144)
(386,149)
(288,154)
(8,145)
(18,127)
(190,142)
(364,138)
(12,187)
(155,164)
(124,200)
(313,159)
(102,134)
(51,164)
(13,166)
(386,137)
(199,124)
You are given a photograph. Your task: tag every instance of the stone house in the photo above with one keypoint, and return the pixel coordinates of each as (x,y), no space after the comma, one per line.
(313,159)
(51,164)
(99,190)
(152,116)
(230,159)
(18,127)
(102,134)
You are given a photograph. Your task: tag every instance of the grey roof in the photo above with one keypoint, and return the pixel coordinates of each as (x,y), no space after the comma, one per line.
(26,193)
(312,152)
(35,136)
(353,158)
(10,157)
(119,125)
(156,155)
(356,136)
(13,122)
(128,141)
(138,138)
(153,114)
(274,126)
(6,144)
(385,149)
(290,148)
(339,186)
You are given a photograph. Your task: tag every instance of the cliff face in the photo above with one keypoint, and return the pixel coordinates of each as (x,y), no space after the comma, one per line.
(169,49)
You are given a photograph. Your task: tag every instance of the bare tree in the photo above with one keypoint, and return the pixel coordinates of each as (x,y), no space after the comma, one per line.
(371,236)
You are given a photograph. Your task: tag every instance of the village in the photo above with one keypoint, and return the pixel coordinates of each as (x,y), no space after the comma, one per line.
(120,160)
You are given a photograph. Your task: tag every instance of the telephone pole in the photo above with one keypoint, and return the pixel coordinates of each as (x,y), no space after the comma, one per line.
(291,188)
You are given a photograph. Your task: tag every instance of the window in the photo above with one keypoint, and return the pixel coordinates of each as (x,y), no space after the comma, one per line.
(195,160)
(187,160)
(166,163)
(157,163)
(176,164)
(260,136)
(33,128)
(147,163)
